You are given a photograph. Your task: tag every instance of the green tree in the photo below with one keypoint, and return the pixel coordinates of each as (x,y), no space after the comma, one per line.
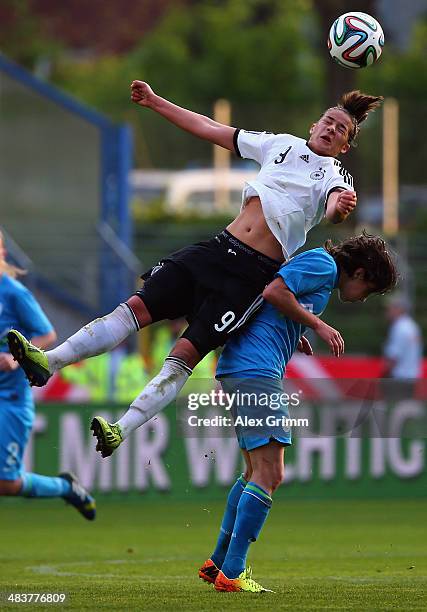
(258,54)
(22,36)
(246,50)
(403,75)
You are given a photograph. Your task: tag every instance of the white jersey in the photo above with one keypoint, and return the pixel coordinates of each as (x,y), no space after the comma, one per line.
(404,347)
(293,184)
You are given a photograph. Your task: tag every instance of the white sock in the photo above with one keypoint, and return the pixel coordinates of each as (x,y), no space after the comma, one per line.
(156,395)
(98,336)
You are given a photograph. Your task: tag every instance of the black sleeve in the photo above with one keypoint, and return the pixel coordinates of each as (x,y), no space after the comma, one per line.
(236,146)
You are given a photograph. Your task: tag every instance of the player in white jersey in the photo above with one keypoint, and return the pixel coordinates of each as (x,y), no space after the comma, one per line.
(295,185)
(217,285)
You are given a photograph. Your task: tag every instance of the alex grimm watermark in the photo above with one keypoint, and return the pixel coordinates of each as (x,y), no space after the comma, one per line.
(244,409)
(310,407)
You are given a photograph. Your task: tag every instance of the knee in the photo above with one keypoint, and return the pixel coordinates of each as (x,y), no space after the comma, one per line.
(185,350)
(278,473)
(140,311)
(273,477)
(10,487)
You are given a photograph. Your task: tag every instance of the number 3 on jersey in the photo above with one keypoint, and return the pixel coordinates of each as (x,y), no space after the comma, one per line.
(282,156)
(226,320)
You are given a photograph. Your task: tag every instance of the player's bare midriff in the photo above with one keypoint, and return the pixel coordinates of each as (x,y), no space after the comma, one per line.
(251,228)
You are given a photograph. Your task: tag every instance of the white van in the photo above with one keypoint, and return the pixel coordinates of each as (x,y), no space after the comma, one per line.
(203,191)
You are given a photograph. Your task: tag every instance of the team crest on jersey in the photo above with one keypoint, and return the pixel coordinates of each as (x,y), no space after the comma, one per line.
(317,175)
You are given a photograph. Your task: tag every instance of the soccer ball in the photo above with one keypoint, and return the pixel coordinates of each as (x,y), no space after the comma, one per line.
(356,40)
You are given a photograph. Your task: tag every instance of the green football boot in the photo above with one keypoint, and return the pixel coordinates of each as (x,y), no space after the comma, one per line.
(244,582)
(82,501)
(108,435)
(31,359)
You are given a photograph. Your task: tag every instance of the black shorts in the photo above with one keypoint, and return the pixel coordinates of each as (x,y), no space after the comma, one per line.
(216,285)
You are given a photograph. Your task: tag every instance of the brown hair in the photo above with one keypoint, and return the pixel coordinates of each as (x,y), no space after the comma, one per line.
(9,269)
(358,105)
(371,254)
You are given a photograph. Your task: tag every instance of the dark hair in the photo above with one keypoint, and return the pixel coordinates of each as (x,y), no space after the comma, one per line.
(371,254)
(358,105)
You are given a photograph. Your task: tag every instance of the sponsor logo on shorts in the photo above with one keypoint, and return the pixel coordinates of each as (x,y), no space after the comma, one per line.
(156,268)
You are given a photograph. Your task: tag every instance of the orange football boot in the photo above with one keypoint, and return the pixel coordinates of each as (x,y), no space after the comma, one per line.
(209,571)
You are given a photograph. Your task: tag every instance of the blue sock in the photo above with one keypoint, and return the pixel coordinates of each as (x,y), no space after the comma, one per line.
(35,485)
(228,522)
(253,509)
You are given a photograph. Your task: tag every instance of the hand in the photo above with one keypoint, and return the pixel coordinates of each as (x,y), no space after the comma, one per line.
(346,202)
(142,94)
(331,336)
(304,346)
(7,362)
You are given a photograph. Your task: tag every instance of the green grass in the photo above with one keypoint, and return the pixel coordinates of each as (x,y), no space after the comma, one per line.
(141,555)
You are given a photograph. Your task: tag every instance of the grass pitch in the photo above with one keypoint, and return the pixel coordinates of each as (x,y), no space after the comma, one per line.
(144,555)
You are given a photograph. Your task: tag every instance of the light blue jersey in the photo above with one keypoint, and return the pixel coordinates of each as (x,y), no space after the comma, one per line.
(18,310)
(264,347)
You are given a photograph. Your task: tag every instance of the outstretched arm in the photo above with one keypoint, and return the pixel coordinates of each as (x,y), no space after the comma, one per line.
(339,205)
(198,125)
(278,294)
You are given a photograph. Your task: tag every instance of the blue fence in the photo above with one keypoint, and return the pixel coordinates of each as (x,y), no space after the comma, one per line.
(65,194)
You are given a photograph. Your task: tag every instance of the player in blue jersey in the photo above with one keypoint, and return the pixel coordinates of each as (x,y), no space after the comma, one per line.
(255,361)
(20,310)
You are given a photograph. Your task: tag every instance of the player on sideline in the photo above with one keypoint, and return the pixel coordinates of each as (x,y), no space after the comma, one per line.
(18,308)
(254,362)
(217,285)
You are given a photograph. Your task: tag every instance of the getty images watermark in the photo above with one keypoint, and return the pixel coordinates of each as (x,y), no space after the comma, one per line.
(357,408)
(271,408)
(255,406)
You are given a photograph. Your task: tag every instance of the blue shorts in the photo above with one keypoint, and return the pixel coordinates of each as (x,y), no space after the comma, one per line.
(15,429)
(260,410)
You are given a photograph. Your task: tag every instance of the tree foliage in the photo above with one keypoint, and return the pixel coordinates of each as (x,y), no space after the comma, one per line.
(404,76)
(22,36)
(401,75)
(245,50)
(253,52)
(268,57)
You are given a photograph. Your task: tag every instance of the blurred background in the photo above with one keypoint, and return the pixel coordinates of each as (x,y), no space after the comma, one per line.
(94,190)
